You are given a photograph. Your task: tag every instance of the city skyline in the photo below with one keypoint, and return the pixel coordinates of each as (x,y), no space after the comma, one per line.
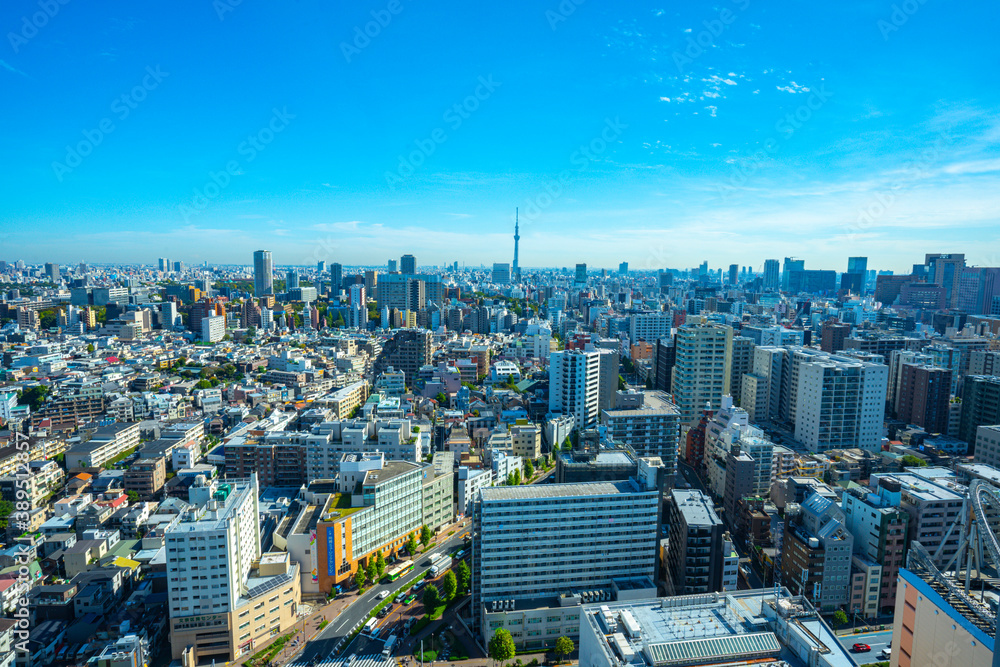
(644,133)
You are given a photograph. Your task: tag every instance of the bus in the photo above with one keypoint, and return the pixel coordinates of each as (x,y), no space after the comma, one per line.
(399,570)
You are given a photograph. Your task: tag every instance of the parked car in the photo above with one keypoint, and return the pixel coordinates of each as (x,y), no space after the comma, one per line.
(399,598)
(861,648)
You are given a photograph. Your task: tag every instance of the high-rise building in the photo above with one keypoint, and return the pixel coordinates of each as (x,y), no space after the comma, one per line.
(694,553)
(581,274)
(879,527)
(608,531)
(734,274)
(832,336)
(623,269)
(897,359)
(336,278)
(321,267)
(647,422)
(501,273)
(574,385)
(213,328)
(664,279)
(924,397)
(408,264)
(840,401)
(771,274)
(392,266)
(702,372)
(263,273)
(163,264)
(742,363)
(816,553)
(791,265)
(857,265)
(225,597)
(980,406)
(52,272)
(357,296)
(291,279)
(946,270)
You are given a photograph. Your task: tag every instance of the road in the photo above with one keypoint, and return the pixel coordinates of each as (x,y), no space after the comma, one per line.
(877,640)
(691,478)
(340,627)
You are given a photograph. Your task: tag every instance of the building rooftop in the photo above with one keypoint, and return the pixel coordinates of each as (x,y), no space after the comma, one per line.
(696,507)
(539,491)
(390,470)
(921,488)
(713,629)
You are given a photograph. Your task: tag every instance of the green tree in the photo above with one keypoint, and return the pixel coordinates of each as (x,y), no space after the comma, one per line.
(839,618)
(517,477)
(203,384)
(529,469)
(450,586)
(90,348)
(441,398)
(339,322)
(426,534)
(380,564)
(34,397)
(359,578)
(911,461)
(411,543)
(372,570)
(133,497)
(6,509)
(464,576)
(621,383)
(501,646)
(564,646)
(431,597)
(567,444)
(47,318)
(510,479)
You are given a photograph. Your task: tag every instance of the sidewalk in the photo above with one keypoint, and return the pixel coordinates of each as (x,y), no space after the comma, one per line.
(308,627)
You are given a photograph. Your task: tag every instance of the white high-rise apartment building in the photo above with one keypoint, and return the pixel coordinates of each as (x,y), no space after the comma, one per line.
(703,369)
(213,328)
(840,403)
(650,327)
(211,550)
(574,385)
(761,391)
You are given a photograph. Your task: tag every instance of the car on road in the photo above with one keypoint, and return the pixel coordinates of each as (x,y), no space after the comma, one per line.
(885,654)
(409,599)
(399,598)
(861,648)
(383,595)
(460,554)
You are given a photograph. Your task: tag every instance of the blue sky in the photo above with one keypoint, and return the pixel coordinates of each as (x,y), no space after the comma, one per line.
(661,135)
